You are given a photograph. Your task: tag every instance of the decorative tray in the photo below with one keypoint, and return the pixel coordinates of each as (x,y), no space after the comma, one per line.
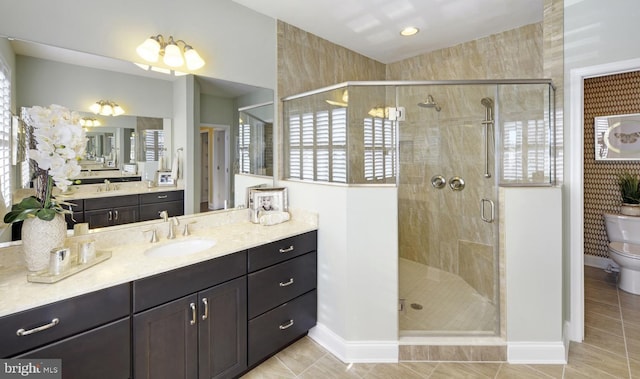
(45,277)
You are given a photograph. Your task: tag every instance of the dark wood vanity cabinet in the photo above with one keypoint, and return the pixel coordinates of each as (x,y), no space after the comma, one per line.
(202,334)
(110,211)
(151,204)
(91,333)
(281,294)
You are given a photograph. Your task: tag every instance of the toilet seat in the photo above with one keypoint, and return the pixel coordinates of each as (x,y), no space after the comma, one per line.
(628,250)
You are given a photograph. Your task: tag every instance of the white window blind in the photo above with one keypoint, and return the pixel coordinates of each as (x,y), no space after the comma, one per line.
(244,139)
(317,146)
(153,144)
(5,134)
(379,149)
(525,154)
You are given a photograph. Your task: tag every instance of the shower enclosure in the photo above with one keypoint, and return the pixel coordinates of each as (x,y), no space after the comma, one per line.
(448,146)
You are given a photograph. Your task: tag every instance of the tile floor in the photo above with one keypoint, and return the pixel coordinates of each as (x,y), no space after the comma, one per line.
(444,302)
(611,349)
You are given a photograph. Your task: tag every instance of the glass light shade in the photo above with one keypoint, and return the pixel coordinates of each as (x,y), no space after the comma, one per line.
(106,110)
(95,108)
(194,61)
(173,56)
(149,50)
(117,110)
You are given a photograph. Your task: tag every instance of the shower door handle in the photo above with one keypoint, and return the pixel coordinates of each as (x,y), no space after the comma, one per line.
(483,210)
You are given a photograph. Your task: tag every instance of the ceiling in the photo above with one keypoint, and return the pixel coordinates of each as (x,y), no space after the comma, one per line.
(372,27)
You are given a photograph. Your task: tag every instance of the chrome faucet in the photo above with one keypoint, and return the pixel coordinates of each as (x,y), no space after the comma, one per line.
(107,185)
(164,215)
(172,223)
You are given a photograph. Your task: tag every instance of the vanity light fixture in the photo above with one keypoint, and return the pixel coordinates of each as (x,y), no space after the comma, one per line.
(409,31)
(172,55)
(106,108)
(89,122)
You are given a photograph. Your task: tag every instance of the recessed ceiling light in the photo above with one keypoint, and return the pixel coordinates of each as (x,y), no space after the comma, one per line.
(409,31)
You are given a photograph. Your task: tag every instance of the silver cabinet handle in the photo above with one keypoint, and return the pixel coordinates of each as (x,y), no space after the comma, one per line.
(206,309)
(286,325)
(110,215)
(162,196)
(286,250)
(21,332)
(492,207)
(116,215)
(193,313)
(284,284)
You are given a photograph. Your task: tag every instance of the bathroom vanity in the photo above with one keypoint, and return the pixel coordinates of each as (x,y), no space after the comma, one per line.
(212,314)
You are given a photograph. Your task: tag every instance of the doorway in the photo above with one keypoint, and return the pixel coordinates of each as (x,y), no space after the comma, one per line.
(215,170)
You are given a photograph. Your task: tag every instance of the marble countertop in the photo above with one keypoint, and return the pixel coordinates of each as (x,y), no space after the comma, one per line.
(231,229)
(90,191)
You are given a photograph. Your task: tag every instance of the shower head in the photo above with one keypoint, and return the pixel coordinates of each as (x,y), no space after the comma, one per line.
(430,103)
(487,102)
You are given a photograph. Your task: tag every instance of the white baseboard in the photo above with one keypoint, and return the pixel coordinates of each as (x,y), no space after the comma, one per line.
(355,352)
(537,352)
(600,262)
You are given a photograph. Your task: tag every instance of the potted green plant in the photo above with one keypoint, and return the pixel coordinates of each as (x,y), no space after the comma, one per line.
(630,193)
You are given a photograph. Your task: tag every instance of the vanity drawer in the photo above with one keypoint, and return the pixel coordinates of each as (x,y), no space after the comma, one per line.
(161,197)
(275,252)
(152,211)
(74,315)
(277,284)
(110,202)
(275,329)
(174,284)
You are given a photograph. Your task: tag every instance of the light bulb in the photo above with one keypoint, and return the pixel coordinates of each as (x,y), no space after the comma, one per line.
(149,49)
(172,55)
(95,107)
(194,61)
(117,110)
(106,110)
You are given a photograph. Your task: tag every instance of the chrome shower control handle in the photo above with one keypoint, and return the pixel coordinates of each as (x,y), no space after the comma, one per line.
(456,183)
(438,181)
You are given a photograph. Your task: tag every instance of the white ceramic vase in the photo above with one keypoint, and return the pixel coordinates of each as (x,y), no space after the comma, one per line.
(630,209)
(39,237)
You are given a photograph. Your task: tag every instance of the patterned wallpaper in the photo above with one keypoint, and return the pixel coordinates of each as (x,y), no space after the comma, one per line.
(604,96)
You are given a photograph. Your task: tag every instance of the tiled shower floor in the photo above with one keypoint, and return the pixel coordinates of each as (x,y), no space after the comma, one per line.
(449,304)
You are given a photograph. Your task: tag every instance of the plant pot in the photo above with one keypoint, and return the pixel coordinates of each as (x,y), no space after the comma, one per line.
(39,237)
(630,209)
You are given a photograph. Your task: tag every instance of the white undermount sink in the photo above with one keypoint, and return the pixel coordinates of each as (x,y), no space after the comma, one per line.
(180,248)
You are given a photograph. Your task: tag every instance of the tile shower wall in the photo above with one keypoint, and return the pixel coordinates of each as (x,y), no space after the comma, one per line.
(604,96)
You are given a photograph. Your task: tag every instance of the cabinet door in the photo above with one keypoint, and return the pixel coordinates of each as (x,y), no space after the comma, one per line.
(223,330)
(103,352)
(98,218)
(165,341)
(125,215)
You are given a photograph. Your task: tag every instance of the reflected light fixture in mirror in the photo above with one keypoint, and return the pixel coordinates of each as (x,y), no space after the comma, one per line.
(106,108)
(89,122)
(155,46)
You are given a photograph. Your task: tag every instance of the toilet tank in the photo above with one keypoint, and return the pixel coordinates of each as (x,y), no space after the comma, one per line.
(621,228)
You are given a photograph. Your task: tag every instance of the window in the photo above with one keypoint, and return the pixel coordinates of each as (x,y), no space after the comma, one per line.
(153,142)
(244,140)
(526,152)
(379,149)
(5,134)
(318,146)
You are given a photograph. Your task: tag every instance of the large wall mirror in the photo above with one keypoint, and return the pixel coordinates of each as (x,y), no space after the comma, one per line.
(46,75)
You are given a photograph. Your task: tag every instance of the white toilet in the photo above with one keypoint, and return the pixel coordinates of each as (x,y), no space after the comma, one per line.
(624,248)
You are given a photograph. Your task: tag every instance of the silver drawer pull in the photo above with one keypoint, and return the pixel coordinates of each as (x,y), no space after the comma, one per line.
(288,249)
(206,308)
(284,284)
(22,332)
(162,196)
(287,325)
(193,313)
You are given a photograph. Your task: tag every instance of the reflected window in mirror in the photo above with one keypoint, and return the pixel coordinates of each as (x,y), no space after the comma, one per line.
(255,140)
(5,134)
(152,137)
